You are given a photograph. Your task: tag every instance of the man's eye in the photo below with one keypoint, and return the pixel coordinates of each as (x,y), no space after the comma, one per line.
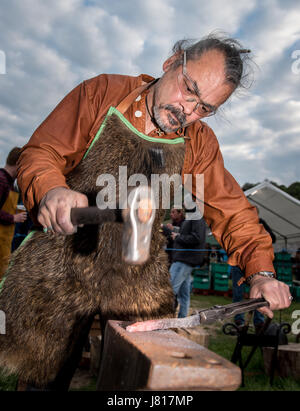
(205,109)
(188,88)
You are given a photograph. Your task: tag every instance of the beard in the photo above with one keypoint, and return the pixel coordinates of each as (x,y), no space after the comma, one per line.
(176,118)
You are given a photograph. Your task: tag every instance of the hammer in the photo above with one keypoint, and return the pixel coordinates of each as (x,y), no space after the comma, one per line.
(137,219)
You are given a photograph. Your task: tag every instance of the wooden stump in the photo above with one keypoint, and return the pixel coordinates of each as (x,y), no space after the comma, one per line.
(288,360)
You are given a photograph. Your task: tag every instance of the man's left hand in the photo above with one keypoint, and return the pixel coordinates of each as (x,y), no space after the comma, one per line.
(275,292)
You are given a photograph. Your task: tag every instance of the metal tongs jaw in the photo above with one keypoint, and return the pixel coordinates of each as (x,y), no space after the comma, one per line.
(219,312)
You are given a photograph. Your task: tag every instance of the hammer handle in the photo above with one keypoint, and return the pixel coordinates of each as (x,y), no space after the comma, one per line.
(93,215)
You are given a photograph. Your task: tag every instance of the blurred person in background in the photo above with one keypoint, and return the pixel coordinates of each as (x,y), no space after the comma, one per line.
(191,237)
(177,217)
(8,207)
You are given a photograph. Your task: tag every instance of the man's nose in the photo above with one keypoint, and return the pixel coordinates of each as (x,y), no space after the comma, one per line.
(189,107)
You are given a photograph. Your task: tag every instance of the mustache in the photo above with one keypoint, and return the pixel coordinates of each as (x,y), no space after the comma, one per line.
(179,115)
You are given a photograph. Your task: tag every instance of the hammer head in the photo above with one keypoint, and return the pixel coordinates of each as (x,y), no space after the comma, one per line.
(138,220)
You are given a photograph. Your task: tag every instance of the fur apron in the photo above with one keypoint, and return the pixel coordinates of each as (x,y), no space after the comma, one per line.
(55,281)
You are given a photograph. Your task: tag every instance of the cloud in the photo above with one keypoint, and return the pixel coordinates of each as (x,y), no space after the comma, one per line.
(50,47)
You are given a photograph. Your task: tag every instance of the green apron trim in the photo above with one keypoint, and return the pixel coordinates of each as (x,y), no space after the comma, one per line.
(22,243)
(113,110)
(2,282)
(29,235)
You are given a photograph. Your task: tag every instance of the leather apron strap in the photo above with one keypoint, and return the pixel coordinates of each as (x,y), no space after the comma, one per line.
(128,100)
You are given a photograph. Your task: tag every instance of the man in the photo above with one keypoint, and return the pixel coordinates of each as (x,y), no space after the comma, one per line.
(198,78)
(8,205)
(191,236)
(177,217)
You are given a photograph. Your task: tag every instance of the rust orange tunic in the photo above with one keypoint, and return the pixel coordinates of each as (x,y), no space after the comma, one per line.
(59,143)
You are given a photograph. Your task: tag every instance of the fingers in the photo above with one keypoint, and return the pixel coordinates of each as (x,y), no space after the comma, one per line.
(287,298)
(44,218)
(266,311)
(256,293)
(63,219)
(275,292)
(22,217)
(55,210)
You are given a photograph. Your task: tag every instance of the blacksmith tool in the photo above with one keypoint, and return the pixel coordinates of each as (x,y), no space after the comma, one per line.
(205,316)
(137,218)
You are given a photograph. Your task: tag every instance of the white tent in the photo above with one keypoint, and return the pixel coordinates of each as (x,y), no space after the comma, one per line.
(280,211)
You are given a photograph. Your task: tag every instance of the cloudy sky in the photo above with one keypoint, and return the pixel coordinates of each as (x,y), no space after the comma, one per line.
(47,47)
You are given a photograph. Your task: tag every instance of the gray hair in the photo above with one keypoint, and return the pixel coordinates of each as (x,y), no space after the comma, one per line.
(238,70)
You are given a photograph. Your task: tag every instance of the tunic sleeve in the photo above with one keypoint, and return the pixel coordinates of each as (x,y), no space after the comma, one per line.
(56,147)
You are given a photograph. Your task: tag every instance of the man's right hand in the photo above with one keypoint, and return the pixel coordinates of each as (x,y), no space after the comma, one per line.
(55,209)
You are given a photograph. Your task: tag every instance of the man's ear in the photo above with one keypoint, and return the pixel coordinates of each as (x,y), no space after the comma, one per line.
(168,63)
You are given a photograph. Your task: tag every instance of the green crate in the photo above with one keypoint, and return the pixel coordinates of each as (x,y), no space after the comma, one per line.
(247,289)
(289,282)
(285,279)
(201,279)
(200,270)
(296,292)
(284,274)
(284,270)
(282,257)
(219,267)
(220,288)
(221,284)
(283,263)
(205,278)
(221,276)
(201,283)
(220,281)
(200,273)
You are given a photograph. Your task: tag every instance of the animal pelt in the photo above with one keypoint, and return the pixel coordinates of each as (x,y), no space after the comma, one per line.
(54,281)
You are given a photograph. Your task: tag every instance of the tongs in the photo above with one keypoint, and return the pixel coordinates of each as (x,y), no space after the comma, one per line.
(205,316)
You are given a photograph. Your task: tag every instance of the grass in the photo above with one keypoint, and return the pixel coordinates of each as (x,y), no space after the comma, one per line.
(90,387)
(255,377)
(7,383)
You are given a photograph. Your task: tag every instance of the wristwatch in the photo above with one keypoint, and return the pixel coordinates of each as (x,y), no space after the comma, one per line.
(269,274)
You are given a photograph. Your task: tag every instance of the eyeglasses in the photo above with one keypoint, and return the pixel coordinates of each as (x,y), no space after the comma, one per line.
(188,89)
